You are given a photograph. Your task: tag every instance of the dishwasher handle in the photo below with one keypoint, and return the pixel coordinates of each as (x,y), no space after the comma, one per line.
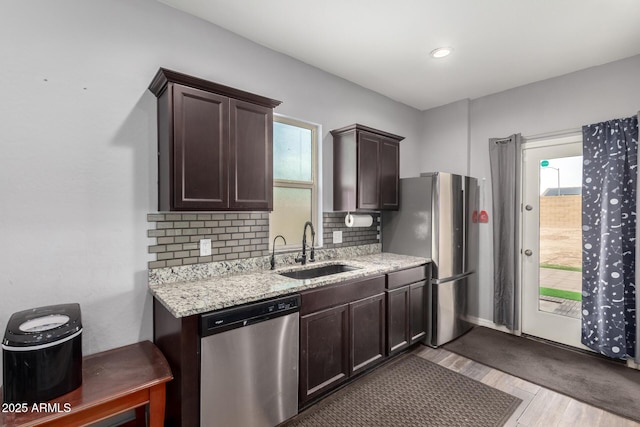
(245,315)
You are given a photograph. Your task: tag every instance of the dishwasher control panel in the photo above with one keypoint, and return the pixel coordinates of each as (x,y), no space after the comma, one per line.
(244,315)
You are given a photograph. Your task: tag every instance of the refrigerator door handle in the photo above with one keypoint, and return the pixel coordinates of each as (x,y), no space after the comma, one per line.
(464,227)
(451,278)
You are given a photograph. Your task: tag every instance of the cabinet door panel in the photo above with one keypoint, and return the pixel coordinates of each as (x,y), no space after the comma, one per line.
(418,317)
(367,332)
(251,156)
(200,149)
(368,171)
(389,174)
(398,319)
(324,351)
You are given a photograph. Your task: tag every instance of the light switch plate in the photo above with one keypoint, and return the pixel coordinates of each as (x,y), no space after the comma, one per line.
(205,247)
(337,237)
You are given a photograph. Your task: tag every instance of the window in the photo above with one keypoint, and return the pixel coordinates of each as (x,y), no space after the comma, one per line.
(295,181)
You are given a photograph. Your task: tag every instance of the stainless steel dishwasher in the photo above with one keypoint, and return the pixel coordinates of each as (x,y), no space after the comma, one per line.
(249,364)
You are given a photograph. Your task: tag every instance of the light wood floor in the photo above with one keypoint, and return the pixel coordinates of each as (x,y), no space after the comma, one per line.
(539,407)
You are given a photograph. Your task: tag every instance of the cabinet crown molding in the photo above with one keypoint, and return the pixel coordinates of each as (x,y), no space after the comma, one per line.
(359,127)
(164,76)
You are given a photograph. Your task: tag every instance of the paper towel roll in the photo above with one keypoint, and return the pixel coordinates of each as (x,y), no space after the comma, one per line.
(358,220)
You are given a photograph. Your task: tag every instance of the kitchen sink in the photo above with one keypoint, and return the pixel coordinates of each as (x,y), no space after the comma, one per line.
(325,270)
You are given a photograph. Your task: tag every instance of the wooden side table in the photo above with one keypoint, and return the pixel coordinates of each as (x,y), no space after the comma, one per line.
(113,382)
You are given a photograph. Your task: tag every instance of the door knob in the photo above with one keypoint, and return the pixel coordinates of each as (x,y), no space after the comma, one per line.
(528,207)
(528,252)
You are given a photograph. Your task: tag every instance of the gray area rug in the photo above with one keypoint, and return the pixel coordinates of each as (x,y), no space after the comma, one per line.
(589,378)
(411,391)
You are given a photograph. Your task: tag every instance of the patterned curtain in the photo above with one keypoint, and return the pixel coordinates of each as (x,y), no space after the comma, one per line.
(610,152)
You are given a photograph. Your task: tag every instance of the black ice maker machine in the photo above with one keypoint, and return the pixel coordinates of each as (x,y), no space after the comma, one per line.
(42,354)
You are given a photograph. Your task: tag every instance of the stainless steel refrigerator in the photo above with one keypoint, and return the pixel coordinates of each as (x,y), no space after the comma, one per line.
(438,219)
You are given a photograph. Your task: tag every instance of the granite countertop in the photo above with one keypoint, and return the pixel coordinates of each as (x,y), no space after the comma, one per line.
(187,298)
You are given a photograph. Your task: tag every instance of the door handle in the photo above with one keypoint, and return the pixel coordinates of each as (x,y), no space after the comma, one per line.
(528,252)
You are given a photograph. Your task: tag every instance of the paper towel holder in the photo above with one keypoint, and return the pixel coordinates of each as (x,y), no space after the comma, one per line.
(358,220)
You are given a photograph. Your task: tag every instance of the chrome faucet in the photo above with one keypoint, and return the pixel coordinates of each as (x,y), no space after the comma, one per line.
(303,257)
(273,254)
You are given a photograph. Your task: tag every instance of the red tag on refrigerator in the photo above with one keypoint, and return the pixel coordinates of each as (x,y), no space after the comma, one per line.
(484,216)
(474,217)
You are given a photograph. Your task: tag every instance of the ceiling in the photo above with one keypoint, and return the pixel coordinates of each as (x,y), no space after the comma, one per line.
(384,45)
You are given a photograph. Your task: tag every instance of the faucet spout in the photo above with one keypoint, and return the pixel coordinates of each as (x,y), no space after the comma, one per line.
(273,253)
(313,239)
(303,257)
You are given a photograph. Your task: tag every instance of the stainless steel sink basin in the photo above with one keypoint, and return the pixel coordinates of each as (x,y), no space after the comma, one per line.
(312,273)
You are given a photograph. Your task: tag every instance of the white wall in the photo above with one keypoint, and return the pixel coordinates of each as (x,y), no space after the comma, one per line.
(564,103)
(78,147)
(445,131)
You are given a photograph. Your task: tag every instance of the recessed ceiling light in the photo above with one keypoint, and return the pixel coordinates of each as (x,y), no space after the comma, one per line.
(441,52)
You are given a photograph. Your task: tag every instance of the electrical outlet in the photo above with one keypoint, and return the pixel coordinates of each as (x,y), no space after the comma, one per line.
(205,247)
(337,237)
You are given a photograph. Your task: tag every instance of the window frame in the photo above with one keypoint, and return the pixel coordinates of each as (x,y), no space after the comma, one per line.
(313,185)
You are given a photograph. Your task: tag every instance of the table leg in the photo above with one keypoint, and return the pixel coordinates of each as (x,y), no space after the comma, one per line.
(157,397)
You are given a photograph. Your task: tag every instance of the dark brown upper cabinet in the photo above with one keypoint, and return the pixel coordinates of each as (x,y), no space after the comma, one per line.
(215,145)
(366,169)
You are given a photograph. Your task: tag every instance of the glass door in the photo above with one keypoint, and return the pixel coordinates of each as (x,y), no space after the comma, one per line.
(552,236)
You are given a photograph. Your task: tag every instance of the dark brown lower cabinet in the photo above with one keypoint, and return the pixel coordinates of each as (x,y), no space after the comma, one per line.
(342,333)
(324,351)
(367,318)
(406,295)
